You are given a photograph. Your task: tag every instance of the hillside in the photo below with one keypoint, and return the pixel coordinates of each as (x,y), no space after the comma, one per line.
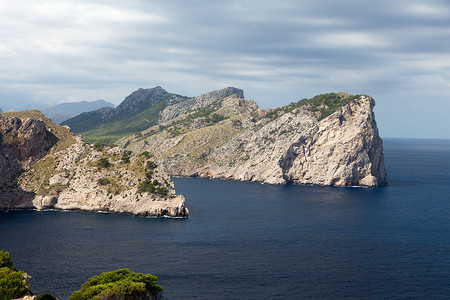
(42,165)
(137,112)
(64,111)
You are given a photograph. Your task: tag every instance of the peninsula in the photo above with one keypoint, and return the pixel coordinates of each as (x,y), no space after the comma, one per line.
(330,139)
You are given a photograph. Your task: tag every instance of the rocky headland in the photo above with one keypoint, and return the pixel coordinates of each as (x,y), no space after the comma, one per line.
(43,166)
(331,139)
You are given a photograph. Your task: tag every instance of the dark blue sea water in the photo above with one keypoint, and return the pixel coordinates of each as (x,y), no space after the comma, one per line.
(254,241)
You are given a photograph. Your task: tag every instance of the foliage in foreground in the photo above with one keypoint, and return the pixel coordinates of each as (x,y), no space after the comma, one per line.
(45,296)
(120,284)
(13,283)
(116,285)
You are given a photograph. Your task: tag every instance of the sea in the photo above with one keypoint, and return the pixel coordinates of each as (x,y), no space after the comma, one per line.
(253,241)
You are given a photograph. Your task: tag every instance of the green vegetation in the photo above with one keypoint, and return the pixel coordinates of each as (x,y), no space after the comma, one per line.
(207,115)
(146,154)
(151,185)
(103,163)
(100,146)
(13,283)
(325,104)
(95,127)
(126,157)
(5,260)
(103,181)
(151,165)
(120,284)
(45,296)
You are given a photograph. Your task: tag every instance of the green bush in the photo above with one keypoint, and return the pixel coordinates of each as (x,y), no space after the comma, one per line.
(13,283)
(103,163)
(5,260)
(126,157)
(103,181)
(151,165)
(45,296)
(120,284)
(146,186)
(146,154)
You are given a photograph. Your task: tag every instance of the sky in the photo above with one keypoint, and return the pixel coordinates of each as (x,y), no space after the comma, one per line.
(278,52)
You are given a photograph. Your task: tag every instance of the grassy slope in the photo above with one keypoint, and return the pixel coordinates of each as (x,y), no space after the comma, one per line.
(118,126)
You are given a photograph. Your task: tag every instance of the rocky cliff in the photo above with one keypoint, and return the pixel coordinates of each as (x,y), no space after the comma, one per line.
(331,139)
(42,165)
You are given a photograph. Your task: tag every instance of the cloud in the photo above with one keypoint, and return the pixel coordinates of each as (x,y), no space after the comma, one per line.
(53,51)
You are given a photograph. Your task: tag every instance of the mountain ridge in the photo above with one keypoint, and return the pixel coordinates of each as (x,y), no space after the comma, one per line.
(64,111)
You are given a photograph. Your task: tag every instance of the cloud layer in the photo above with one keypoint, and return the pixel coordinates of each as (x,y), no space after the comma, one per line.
(278,52)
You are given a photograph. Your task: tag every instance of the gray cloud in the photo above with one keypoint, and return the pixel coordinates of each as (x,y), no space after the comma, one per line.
(396,51)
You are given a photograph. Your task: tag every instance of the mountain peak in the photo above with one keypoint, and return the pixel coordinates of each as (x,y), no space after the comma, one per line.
(143,98)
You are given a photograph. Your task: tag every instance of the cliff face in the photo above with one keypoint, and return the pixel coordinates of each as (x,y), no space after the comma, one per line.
(22,142)
(344,149)
(44,166)
(298,144)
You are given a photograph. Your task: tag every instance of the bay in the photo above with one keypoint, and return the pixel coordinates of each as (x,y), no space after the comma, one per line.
(252,241)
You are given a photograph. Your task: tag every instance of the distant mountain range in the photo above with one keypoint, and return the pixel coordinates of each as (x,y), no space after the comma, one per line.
(64,111)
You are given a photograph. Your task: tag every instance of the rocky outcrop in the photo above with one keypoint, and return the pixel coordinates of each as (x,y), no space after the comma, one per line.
(22,142)
(305,143)
(342,150)
(60,171)
(204,100)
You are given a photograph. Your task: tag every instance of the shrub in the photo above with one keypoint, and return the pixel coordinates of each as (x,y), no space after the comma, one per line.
(119,284)
(146,186)
(126,156)
(45,296)
(5,260)
(103,181)
(103,163)
(151,165)
(13,283)
(145,154)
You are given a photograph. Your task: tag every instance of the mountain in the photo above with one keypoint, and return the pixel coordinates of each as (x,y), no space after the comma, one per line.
(1,110)
(64,111)
(43,166)
(137,112)
(330,139)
